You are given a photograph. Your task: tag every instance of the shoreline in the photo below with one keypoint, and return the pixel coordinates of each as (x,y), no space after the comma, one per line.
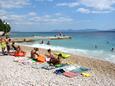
(76,52)
(101,66)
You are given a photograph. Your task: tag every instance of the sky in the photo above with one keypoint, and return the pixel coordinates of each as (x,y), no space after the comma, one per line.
(49,15)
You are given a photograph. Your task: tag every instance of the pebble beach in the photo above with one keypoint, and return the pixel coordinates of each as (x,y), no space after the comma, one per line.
(17,74)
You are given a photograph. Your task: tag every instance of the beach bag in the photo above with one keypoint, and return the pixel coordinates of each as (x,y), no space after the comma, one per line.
(41,58)
(70,74)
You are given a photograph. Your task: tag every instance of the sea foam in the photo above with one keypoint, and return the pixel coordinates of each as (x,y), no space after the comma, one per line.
(98,54)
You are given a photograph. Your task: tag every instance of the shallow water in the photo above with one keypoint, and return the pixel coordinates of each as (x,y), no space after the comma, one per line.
(95,44)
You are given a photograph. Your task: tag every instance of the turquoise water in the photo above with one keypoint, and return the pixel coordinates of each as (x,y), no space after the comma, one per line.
(81,43)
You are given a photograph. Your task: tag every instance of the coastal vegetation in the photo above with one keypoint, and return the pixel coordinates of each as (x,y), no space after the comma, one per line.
(4,27)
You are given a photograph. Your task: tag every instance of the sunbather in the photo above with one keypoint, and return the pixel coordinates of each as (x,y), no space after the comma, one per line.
(18,52)
(52,59)
(34,53)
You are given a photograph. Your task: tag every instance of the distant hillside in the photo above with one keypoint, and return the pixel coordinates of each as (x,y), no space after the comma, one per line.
(70,30)
(113,30)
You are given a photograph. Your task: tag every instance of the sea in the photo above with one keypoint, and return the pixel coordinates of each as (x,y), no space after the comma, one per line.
(92,44)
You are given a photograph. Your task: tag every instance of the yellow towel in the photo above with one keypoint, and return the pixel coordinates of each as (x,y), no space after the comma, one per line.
(86,74)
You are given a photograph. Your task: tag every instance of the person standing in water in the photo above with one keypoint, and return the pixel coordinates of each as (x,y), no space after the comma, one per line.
(112,49)
(42,42)
(96,46)
(48,43)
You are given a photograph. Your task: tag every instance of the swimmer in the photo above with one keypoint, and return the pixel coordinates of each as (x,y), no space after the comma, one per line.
(112,49)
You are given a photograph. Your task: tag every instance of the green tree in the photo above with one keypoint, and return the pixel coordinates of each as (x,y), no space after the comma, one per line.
(5,27)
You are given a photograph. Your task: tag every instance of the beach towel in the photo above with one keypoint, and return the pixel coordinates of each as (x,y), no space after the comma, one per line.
(23,60)
(48,67)
(59,71)
(21,54)
(60,65)
(70,74)
(41,58)
(85,74)
(80,69)
(69,68)
(39,65)
(64,55)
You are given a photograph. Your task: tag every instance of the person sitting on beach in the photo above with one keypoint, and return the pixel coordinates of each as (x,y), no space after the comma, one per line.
(34,53)
(36,56)
(13,45)
(51,58)
(42,42)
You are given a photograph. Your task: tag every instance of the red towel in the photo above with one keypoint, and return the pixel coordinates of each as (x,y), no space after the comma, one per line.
(70,74)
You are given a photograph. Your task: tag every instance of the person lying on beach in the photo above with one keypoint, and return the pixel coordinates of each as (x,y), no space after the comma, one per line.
(34,53)
(18,52)
(51,58)
(36,56)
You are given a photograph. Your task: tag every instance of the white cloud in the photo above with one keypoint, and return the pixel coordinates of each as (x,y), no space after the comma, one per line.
(100,12)
(83,10)
(50,19)
(99,4)
(32,14)
(6,4)
(32,18)
(72,4)
(91,6)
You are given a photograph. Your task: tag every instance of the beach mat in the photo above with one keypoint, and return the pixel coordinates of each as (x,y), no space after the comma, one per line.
(70,74)
(39,65)
(69,68)
(48,67)
(80,69)
(60,65)
(85,74)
